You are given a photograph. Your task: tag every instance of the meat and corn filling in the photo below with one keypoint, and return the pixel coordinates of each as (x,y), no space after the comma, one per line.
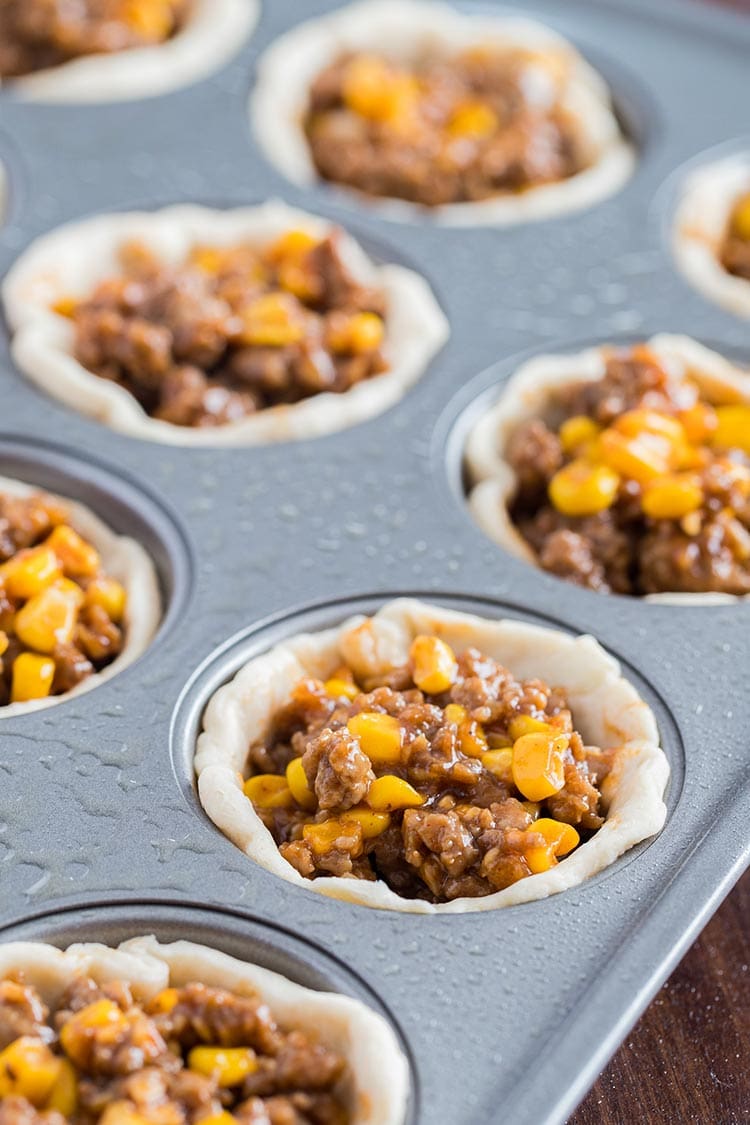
(231,331)
(190,1055)
(35,34)
(443,129)
(445,777)
(735,248)
(636,484)
(61,615)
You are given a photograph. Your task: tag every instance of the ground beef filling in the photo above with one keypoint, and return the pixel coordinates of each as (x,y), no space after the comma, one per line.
(443,129)
(35,34)
(446,777)
(191,1054)
(231,331)
(734,254)
(61,615)
(635,484)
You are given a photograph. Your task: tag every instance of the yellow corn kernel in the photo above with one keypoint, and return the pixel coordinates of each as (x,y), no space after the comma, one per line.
(636,422)
(388,793)
(209,259)
(32,677)
(77,557)
(293,244)
(268,791)
(4,642)
(65,306)
(580,489)
(28,1069)
(732,428)
(29,572)
(76,1033)
(472,739)
(538,770)
(672,497)
(455,713)
(372,823)
(164,1001)
(642,458)
(497,741)
(296,779)
(375,91)
(576,433)
(540,857)
(473,121)
(527,724)
(698,422)
(500,763)
(434,663)
(341,689)
(229,1066)
(123,1113)
(152,19)
(379,735)
(563,837)
(223,1118)
(322,837)
(358,333)
(110,595)
(741,218)
(64,1093)
(272,321)
(48,619)
(71,590)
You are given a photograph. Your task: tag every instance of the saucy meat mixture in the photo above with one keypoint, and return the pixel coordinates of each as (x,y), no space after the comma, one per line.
(443,129)
(61,615)
(191,1054)
(35,34)
(445,777)
(635,484)
(735,248)
(231,331)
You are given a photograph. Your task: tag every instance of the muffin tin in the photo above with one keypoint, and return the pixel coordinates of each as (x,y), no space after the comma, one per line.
(507,1015)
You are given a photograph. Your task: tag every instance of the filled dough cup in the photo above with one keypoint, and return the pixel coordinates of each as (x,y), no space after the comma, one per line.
(407,30)
(605,709)
(70,262)
(212,33)
(373,1089)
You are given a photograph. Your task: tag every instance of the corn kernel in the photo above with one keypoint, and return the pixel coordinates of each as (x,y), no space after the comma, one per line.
(527,724)
(291,244)
(672,497)
(223,1118)
(63,1096)
(77,557)
(642,458)
(65,306)
(373,90)
(123,1113)
(76,1034)
(341,689)
(208,259)
(540,857)
(499,763)
(538,769)
(31,571)
(641,421)
(71,590)
(740,221)
(434,663)
(472,739)
(110,595)
(151,19)
(28,1069)
(164,1001)
(359,333)
(473,121)
(455,713)
(733,428)
(229,1066)
(576,433)
(324,836)
(372,823)
(272,321)
(699,422)
(48,619)
(388,793)
(296,779)
(268,791)
(580,489)
(379,735)
(4,642)
(32,677)
(563,837)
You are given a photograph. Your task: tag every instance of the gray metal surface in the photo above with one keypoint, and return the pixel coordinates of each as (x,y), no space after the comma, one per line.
(509,1015)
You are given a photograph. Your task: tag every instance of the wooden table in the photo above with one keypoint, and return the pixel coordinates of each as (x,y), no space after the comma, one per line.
(688,1060)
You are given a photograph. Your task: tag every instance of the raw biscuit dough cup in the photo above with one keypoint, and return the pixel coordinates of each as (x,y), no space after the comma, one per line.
(527,395)
(378,1089)
(123,559)
(72,259)
(212,34)
(605,707)
(700,222)
(408,28)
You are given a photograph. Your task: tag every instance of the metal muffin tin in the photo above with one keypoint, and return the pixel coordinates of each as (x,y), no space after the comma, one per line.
(507,1015)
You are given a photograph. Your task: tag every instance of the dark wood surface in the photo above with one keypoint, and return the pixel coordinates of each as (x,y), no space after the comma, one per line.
(687,1062)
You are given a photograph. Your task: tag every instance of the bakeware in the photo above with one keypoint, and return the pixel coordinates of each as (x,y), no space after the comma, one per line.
(509,1015)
